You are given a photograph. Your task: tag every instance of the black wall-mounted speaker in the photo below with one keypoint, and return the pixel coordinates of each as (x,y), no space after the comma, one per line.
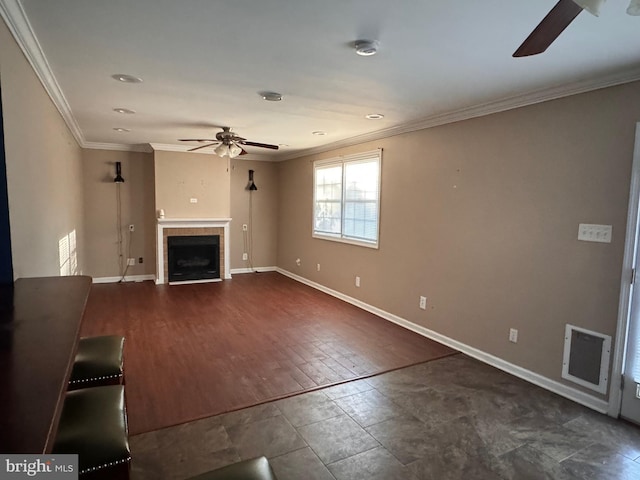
(118,178)
(251,185)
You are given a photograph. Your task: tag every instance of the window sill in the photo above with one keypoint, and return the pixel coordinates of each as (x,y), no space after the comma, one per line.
(349,241)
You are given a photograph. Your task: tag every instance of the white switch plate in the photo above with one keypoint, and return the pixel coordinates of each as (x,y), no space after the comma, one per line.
(193,200)
(637,390)
(357,281)
(131,261)
(245,256)
(513,335)
(594,233)
(423,303)
(318,267)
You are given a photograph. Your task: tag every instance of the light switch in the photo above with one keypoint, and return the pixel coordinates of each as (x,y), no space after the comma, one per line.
(594,233)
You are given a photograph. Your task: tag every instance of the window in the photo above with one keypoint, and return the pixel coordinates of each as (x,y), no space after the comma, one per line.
(346,198)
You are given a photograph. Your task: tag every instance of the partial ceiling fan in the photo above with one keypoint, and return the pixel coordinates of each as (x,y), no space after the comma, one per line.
(229,144)
(559,18)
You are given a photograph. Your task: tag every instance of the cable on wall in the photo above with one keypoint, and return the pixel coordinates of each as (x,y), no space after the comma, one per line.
(247,235)
(123,267)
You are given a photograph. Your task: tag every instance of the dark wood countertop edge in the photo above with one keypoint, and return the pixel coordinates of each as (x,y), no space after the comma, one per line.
(53,428)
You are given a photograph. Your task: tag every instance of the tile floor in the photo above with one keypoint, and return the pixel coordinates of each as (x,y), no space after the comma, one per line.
(453,418)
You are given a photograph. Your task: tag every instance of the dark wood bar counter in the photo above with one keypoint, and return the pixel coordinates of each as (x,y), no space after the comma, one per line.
(38,341)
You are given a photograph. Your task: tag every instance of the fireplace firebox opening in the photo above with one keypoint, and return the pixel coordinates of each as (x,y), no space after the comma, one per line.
(193,257)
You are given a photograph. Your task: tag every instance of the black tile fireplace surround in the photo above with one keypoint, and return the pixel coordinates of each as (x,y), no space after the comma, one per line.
(193,257)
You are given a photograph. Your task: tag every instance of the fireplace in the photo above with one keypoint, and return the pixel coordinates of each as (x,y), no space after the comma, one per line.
(193,257)
(185,227)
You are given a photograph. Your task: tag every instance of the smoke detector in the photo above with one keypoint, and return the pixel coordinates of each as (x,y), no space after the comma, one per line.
(366,48)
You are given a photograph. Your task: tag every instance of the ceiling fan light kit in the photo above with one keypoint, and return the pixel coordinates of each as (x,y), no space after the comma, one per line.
(634,8)
(228,150)
(591,6)
(228,144)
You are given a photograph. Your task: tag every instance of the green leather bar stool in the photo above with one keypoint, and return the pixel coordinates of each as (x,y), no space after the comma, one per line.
(99,361)
(255,469)
(93,424)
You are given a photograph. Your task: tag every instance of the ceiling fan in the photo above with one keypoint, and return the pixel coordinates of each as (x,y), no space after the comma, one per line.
(559,18)
(229,144)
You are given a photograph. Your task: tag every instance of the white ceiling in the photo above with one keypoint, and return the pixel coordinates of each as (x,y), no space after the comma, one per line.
(203,62)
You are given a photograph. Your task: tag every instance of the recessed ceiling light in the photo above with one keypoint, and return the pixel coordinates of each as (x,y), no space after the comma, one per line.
(124,78)
(319,133)
(271,96)
(366,48)
(374,116)
(120,129)
(124,110)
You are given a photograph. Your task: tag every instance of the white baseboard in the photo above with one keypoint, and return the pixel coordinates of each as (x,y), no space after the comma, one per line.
(566,391)
(235,271)
(128,278)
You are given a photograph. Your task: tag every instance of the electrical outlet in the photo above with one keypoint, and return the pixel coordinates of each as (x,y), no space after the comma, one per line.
(245,227)
(140,260)
(298,262)
(132,227)
(131,261)
(513,335)
(193,200)
(245,256)
(357,281)
(318,267)
(423,303)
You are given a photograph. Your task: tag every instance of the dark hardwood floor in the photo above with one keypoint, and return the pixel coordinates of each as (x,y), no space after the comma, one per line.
(198,350)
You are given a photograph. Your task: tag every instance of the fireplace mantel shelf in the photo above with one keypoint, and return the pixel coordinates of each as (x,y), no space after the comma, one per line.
(166,223)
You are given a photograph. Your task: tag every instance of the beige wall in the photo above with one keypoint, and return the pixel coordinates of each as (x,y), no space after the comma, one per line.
(181,176)
(44,172)
(264,213)
(481,217)
(138,204)
(137,207)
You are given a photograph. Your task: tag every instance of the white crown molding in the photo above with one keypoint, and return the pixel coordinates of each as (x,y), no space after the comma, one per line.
(508,103)
(16,19)
(121,147)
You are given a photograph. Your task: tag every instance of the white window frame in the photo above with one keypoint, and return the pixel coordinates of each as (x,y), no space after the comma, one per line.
(343,160)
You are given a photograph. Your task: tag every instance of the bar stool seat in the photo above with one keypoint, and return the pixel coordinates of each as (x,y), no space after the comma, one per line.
(99,361)
(255,469)
(93,424)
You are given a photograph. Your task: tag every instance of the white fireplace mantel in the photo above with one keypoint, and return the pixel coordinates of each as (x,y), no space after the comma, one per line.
(190,223)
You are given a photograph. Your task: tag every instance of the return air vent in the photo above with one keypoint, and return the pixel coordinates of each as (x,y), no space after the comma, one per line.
(586,358)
